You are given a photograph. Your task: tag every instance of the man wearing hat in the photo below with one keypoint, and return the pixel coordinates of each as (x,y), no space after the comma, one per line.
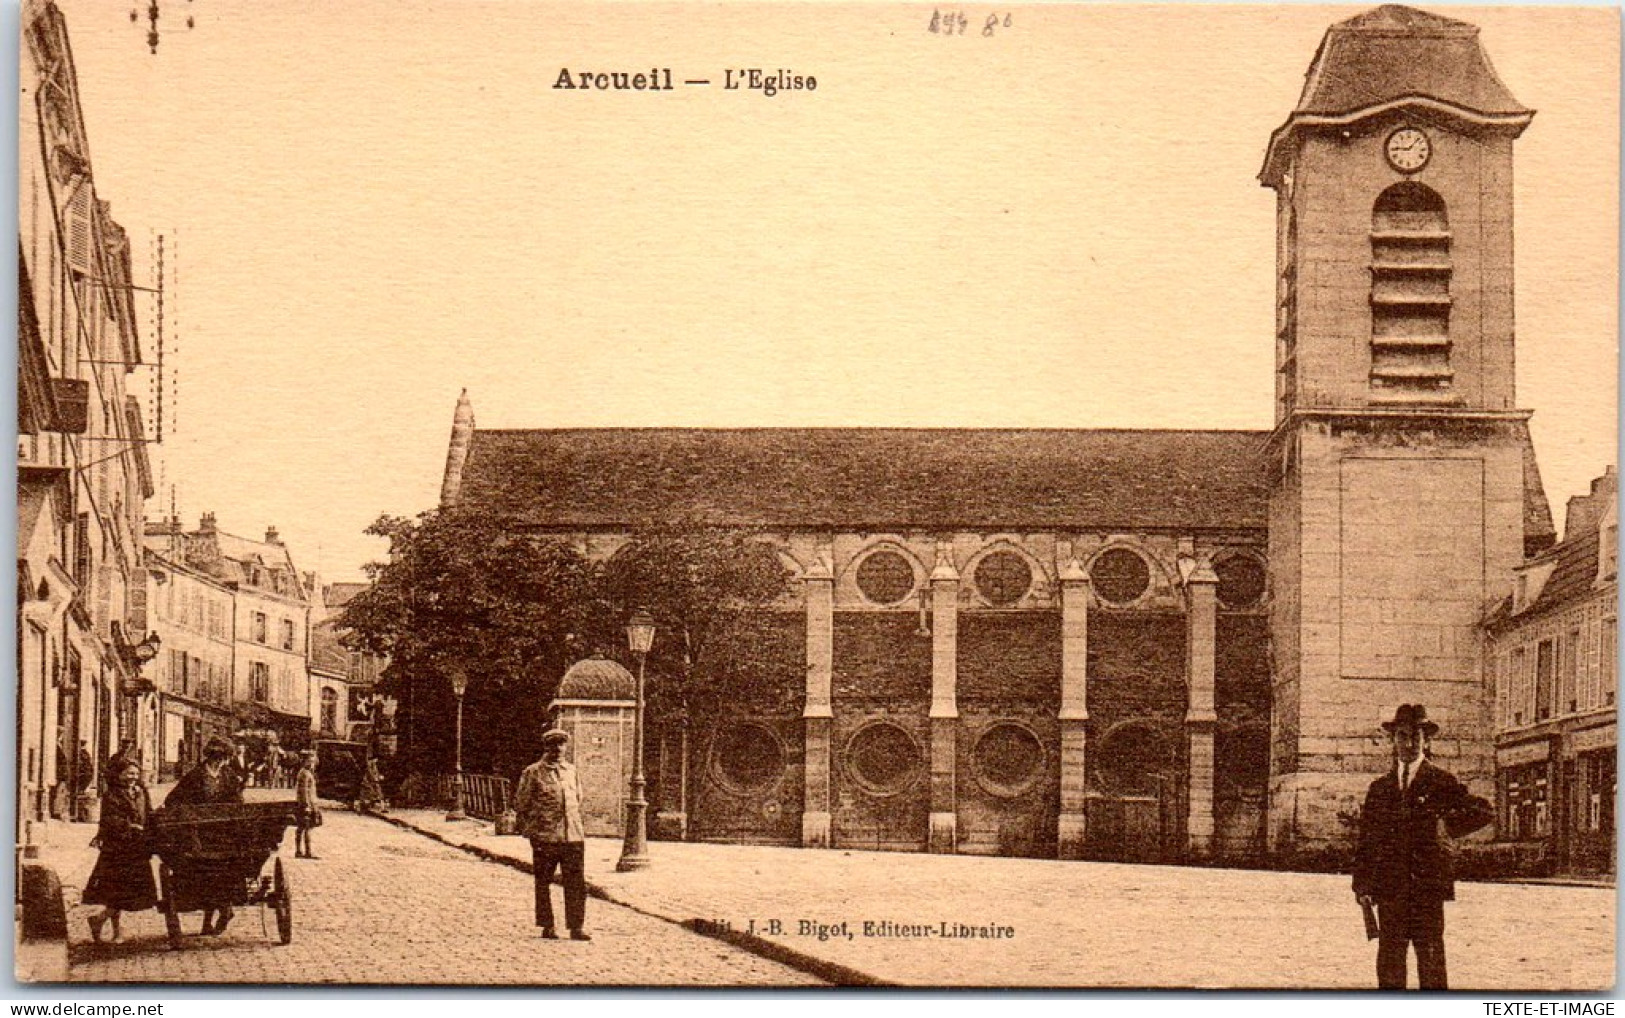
(1402,862)
(215,780)
(548,812)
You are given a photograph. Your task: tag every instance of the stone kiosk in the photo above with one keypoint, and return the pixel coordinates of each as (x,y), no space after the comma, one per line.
(596,704)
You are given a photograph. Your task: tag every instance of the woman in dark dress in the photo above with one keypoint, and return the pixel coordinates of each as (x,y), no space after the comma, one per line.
(122,880)
(215,780)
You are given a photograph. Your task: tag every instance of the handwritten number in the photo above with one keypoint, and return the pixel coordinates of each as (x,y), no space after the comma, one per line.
(944,24)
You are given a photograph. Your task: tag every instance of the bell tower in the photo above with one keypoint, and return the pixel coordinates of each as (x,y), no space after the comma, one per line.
(1398,502)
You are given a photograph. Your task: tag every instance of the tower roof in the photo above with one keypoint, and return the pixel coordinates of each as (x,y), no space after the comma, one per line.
(1394,52)
(1394,56)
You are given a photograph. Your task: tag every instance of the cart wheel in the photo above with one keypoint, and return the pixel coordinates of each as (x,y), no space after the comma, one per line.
(166,902)
(282,899)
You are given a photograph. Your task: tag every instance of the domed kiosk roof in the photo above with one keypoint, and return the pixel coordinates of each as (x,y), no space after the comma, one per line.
(596,678)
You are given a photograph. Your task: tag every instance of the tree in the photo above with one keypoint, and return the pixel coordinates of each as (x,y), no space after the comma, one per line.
(516,608)
(717,644)
(472,589)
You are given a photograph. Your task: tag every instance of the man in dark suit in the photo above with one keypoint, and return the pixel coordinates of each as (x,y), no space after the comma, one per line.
(1402,863)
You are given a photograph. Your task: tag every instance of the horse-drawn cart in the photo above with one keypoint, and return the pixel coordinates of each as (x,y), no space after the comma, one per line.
(213,857)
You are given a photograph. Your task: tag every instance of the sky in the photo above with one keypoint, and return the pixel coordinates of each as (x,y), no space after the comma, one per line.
(370,206)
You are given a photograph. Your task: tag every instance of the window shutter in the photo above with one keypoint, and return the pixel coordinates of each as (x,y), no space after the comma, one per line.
(80,233)
(138,606)
(81,550)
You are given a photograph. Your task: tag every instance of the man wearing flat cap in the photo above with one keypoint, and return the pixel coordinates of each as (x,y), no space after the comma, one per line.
(548,812)
(1402,862)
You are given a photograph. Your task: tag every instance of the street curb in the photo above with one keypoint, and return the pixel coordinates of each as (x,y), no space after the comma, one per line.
(830,972)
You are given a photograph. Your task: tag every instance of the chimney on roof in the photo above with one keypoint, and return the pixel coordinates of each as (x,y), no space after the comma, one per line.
(271,536)
(205,525)
(1585,511)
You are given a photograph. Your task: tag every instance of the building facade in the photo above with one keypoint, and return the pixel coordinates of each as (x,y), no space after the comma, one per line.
(265,623)
(1554,647)
(83,471)
(193,614)
(1144,645)
(361,713)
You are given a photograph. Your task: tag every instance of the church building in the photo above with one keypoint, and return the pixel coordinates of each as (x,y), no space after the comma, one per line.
(1132,644)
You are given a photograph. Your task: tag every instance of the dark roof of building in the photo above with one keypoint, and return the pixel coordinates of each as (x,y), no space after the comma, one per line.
(596,678)
(1537,511)
(871,477)
(1573,576)
(1392,52)
(1575,572)
(336,595)
(326,652)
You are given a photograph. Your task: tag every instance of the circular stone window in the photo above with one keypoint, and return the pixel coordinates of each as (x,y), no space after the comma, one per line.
(1008,758)
(1133,758)
(885,577)
(883,758)
(748,758)
(1003,578)
(1241,581)
(1120,576)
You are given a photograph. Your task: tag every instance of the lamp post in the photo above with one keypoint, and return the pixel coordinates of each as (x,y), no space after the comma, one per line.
(640,636)
(459,686)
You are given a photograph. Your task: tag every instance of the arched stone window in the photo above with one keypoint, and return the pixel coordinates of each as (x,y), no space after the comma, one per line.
(1410,292)
(1003,578)
(883,758)
(1242,580)
(330,711)
(1120,576)
(1008,758)
(747,759)
(885,577)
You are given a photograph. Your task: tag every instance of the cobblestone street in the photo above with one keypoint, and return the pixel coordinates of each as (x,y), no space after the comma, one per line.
(1087,924)
(386,905)
(419,899)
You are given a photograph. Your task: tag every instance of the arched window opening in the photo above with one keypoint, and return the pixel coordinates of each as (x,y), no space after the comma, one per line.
(885,578)
(1410,294)
(330,712)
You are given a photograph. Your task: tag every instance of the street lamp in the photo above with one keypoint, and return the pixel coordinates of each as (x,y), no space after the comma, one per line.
(459,686)
(640,636)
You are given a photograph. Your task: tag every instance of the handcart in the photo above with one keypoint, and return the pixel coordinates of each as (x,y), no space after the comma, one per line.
(212,856)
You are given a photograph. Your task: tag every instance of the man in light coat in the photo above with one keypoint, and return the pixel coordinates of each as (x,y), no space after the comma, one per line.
(1402,862)
(548,812)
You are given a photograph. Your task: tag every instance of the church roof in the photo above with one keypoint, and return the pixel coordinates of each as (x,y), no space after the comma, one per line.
(1393,52)
(876,478)
(339,593)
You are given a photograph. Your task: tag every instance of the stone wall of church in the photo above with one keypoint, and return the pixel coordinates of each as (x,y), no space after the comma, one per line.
(1136,669)
(985,775)
(1007,761)
(880,657)
(881,737)
(746,760)
(1010,659)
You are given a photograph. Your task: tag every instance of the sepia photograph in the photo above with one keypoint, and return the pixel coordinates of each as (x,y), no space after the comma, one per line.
(563,494)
